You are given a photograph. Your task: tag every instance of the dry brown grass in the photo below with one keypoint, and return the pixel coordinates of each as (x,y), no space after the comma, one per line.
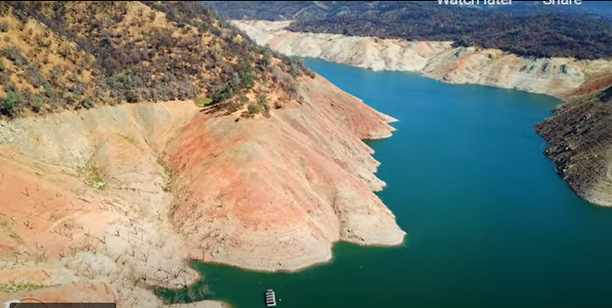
(72,55)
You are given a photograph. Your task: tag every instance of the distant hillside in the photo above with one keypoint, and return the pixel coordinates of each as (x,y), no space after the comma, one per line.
(588,9)
(72,55)
(550,35)
(302,10)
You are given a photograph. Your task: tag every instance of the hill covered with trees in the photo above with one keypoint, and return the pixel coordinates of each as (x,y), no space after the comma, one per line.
(71,55)
(525,29)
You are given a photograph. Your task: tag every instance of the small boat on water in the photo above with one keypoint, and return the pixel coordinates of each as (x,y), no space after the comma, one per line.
(270,298)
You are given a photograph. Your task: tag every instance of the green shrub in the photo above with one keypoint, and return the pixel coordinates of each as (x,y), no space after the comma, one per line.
(91,175)
(37,103)
(265,107)
(294,70)
(252,109)
(12,286)
(132,96)
(169,77)
(243,99)
(48,89)
(128,82)
(266,52)
(10,103)
(221,94)
(236,82)
(218,49)
(86,103)
(262,99)
(246,79)
(310,73)
(71,97)
(156,7)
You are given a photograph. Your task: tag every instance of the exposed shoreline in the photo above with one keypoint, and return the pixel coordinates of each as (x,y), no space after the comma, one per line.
(306,265)
(557,77)
(105,201)
(135,243)
(336,154)
(123,238)
(564,78)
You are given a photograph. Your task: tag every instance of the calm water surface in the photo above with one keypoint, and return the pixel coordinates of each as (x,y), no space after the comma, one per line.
(490,224)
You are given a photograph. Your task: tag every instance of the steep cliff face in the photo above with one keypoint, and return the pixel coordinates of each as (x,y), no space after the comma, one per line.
(580,138)
(439,60)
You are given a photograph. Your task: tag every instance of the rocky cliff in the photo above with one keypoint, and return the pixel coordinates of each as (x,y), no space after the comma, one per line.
(580,138)
(578,131)
(235,156)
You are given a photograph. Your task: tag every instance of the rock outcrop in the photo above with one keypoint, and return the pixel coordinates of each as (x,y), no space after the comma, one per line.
(580,138)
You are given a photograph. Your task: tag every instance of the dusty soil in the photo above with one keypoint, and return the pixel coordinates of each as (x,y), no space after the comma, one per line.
(107,203)
(276,193)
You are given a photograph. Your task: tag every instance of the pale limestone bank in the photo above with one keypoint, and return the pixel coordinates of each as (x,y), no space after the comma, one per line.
(439,60)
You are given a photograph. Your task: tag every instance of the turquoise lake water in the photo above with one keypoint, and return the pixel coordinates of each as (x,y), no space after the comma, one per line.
(489,222)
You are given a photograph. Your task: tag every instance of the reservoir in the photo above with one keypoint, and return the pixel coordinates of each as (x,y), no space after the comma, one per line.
(489,222)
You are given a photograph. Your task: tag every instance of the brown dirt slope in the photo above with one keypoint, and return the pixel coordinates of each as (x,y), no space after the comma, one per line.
(276,193)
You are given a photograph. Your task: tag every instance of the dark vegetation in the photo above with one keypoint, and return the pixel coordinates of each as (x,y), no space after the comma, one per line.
(540,36)
(304,10)
(105,53)
(546,34)
(588,9)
